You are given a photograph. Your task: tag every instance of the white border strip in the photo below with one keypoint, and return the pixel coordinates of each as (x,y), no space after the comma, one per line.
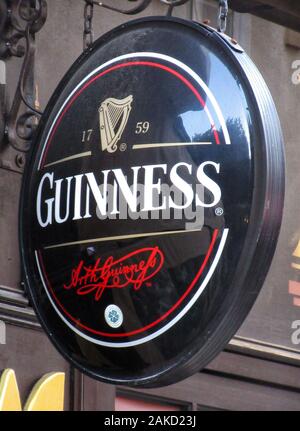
(161,330)
(164,57)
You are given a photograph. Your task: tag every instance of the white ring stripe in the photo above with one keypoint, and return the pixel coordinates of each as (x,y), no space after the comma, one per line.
(161,330)
(149,55)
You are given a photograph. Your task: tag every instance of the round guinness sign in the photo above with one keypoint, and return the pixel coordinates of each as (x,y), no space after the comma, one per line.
(152,202)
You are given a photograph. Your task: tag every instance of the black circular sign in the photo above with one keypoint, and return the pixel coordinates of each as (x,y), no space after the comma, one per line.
(152,202)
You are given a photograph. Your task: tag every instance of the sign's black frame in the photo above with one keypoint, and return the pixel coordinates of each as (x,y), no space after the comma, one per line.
(265,220)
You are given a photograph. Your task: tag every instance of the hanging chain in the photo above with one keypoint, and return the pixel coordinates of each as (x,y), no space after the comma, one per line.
(223,13)
(88,34)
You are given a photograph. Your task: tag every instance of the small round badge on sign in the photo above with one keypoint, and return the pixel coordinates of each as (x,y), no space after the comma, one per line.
(152,202)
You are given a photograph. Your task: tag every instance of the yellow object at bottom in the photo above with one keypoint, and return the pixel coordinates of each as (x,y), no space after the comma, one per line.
(46,395)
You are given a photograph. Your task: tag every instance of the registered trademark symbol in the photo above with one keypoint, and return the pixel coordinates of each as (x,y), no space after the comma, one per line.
(219,211)
(123,147)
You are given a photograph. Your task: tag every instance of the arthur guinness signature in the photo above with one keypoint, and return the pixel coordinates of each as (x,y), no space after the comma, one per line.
(116,274)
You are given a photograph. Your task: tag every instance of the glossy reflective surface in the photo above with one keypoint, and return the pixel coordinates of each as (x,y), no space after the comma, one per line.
(129,294)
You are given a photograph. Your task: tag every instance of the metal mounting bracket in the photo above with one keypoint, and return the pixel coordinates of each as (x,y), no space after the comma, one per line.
(20,20)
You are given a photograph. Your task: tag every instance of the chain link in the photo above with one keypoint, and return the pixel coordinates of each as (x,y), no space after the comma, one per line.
(88,34)
(223,13)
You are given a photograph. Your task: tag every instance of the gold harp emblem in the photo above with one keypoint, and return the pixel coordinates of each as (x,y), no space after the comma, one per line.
(113,117)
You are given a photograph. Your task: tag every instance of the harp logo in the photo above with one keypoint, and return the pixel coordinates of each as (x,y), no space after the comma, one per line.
(113,118)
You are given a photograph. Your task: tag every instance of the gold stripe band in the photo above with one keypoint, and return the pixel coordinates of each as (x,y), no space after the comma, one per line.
(66,159)
(175,144)
(120,237)
(134,147)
